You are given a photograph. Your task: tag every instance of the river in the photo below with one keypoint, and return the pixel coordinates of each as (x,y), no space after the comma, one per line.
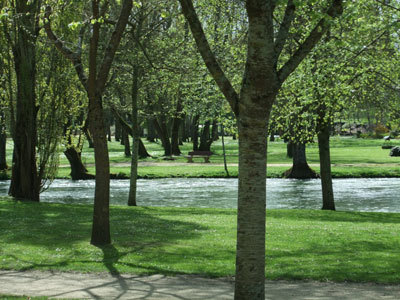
(365,194)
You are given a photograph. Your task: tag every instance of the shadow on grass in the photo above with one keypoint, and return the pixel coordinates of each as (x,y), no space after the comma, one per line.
(49,230)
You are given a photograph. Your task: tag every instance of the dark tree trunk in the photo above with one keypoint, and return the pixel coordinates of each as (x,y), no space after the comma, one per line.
(142,149)
(88,137)
(206,140)
(118,129)
(3,143)
(109,133)
(300,169)
(289,149)
(162,131)
(195,132)
(25,182)
(328,201)
(151,133)
(205,137)
(176,123)
(78,170)
(127,145)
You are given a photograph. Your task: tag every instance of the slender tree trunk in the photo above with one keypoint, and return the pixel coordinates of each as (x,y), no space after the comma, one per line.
(289,149)
(101,226)
(325,166)
(300,169)
(78,170)
(223,150)
(3,143)
(195,132)
(127,145)
(25,182)
(136,139)
(250,252)
(176,123)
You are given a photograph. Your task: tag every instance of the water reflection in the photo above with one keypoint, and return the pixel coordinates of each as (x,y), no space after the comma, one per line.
(350,194)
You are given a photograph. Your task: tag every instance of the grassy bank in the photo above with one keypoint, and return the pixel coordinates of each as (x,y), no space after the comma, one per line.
(351,157)
(301,244)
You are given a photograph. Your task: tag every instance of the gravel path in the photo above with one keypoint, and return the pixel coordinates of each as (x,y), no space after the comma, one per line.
(105,286)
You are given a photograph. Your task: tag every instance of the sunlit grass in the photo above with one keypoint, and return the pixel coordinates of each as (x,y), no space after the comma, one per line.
(349,156)
(301,244)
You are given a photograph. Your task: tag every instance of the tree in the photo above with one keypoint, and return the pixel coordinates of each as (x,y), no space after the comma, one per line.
(263,76)
(95,85)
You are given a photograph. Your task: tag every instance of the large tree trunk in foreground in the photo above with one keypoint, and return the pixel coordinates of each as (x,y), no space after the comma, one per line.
(78,170)
(250,252)
(328,201)
(300,169)
(261,82)
(25,182)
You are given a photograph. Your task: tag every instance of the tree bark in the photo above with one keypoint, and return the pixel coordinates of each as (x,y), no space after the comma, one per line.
(25,182)
(300,168)
(127,146)
(3,144)
(161,128)
(250,249)
(328,201)
(151,134)
(195,132)
(135,133)
(205,137)
(78,170)
(176,123)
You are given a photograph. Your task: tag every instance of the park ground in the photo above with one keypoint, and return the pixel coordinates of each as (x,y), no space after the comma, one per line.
(165,253)
(156,287)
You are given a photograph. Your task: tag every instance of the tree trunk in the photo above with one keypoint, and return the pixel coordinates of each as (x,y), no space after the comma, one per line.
(162,131)
(151,133)
(289,149)
(135,134)
(300,169)
(205,136)
(127,145)
(325,166)
(223,150)
(78,170)
(118,129)
(25,182)
(195,132)
(3,143)
(101,226)
(176,123)
(250,252)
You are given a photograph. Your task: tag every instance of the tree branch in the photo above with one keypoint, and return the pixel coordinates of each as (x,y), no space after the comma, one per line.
(208,56)
(113,44)
(283,32)
(316,34)
(74,57)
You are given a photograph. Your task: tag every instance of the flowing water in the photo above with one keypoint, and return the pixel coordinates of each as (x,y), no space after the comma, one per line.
(372,194)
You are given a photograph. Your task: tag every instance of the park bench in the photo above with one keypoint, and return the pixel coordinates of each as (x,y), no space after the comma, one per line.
(199,154)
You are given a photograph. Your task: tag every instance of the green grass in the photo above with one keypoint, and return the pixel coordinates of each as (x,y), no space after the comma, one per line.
(4,297)
(301,244)
(351,157)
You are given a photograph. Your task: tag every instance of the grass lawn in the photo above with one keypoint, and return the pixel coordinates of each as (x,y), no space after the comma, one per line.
(351,157)
(301,244)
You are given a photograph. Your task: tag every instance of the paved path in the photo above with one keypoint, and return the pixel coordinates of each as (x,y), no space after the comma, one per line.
(105,286)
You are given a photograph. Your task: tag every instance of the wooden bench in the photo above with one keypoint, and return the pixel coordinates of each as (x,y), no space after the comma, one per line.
(199,154)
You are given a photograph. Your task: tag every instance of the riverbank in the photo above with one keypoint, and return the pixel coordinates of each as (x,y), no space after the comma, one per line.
(301,244)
